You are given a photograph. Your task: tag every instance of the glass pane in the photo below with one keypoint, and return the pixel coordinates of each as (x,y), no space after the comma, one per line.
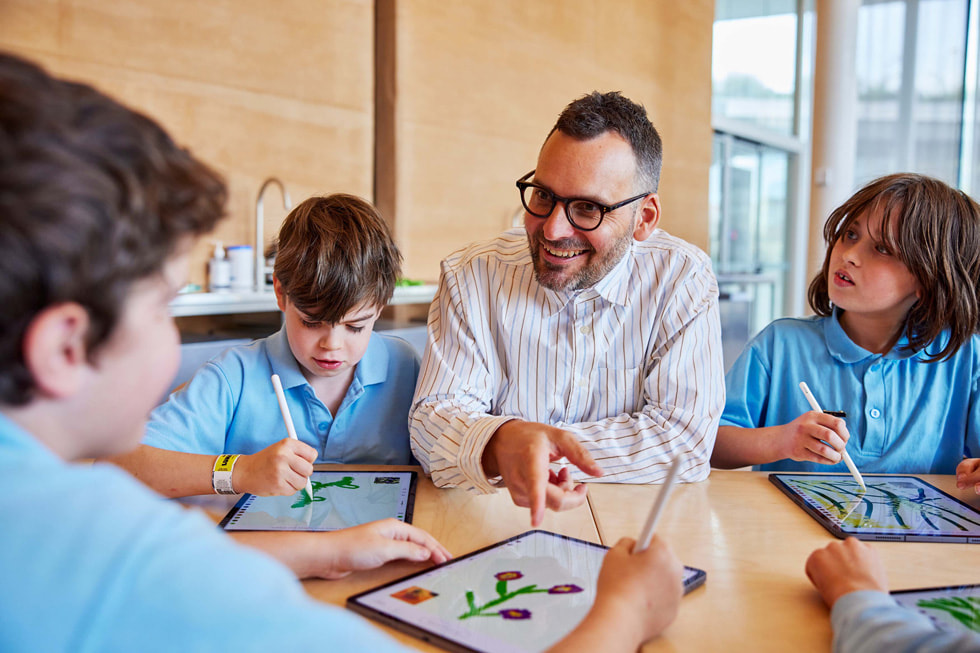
(750,221)
(753,66)
(909,120)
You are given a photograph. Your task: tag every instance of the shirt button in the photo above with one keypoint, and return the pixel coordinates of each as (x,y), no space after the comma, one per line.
(585,330)
(875,413)
(323,426)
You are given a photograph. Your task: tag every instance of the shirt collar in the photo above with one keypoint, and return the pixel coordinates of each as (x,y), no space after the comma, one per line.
(371,369)
(847,351)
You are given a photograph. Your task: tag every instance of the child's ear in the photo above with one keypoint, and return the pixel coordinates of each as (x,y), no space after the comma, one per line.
(280,296)
(55,350)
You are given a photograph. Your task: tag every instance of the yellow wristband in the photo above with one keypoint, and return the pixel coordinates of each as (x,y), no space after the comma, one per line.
(221,473)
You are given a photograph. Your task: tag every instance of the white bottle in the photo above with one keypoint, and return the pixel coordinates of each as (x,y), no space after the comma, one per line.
(219,270)
(242,268)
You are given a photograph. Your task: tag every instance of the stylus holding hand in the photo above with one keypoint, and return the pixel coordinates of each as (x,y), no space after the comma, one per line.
(847,459)
(288,419)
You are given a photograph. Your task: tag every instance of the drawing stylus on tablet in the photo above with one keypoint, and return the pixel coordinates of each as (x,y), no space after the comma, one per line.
(658,506)
(847,459)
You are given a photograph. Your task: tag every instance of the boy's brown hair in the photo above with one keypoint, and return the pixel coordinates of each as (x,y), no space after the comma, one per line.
(334,254)
(93,197)
(937,237)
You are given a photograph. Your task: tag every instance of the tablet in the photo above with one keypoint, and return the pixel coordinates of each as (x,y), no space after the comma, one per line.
(894,508)
(522,594)
(340,499)
(949,608)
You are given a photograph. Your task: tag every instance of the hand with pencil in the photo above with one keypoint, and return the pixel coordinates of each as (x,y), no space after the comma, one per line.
(639,589)
(280,469)
(812,437)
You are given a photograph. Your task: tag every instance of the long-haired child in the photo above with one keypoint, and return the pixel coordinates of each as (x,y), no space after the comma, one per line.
(893,344)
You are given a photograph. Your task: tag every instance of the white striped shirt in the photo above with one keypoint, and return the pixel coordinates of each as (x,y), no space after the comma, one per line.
(633,365)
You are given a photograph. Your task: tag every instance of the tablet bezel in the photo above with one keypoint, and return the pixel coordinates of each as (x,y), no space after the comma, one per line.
(409,502)
(431,637)
(841,532)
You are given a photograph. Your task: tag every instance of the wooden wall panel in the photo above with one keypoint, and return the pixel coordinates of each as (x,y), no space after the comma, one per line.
(254,88)
(480,83)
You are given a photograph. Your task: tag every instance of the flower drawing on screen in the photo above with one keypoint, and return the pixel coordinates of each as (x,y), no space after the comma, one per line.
(346,483)
(492,607)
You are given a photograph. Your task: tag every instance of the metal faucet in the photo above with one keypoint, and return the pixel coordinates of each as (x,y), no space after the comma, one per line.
(260,228)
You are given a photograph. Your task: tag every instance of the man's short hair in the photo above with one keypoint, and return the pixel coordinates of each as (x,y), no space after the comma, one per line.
(93,197)
(596,113)
(335,253)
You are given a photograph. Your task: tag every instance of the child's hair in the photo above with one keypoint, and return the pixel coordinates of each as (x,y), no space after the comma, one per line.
(93,197)
(334,254)
(938,240)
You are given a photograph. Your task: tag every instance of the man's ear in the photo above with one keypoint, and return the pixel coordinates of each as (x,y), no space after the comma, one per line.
(55,351)
(649,217)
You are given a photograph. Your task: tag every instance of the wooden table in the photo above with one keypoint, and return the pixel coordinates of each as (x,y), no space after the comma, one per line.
(753,541)
(748,536)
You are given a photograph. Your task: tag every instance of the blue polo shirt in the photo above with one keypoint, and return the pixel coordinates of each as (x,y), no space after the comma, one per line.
(905,415)
(230,406)
(93,561)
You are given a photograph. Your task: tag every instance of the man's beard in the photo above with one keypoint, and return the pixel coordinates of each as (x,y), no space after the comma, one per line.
(557,279)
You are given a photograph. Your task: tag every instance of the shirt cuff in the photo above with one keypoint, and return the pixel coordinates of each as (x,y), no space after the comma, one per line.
(470,457)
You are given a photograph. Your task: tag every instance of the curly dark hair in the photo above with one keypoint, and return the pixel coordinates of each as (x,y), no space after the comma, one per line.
(937,236)
(93,197)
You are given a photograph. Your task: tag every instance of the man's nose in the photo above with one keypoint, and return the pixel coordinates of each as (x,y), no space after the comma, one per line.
(556,226)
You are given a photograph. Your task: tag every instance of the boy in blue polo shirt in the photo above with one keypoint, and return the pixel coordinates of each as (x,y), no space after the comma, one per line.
(348,388)
(100,209)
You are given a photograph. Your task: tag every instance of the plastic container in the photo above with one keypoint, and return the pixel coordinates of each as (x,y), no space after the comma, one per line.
(242,268)
(219,270)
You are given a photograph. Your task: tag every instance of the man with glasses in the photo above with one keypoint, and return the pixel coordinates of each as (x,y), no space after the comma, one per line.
(589,335)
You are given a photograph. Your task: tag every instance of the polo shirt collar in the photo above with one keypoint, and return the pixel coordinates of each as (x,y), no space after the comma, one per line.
(841,347)
(372,368)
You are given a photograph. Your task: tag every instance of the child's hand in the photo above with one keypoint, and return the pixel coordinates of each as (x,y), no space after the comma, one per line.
(279,469)
(814,437)
(844,567)
(373,544)
(968,473)
(645,588)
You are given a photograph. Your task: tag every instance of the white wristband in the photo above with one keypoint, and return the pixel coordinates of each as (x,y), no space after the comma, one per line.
(221,473)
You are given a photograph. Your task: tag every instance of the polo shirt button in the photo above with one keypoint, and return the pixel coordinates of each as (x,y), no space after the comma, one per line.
(322,426)
(875,413)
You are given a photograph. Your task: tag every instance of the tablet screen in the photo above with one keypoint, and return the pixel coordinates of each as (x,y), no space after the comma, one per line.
(950,608)
(522,594)
(340,499)
(893,507)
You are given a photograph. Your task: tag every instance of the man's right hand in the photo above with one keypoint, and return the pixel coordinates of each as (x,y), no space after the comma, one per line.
(522,452)
(279,469)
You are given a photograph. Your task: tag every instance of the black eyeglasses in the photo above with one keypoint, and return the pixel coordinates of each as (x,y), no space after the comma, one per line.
(584,215)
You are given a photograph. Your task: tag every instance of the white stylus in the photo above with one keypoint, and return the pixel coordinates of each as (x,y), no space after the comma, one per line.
(288,419)
(658,506)
(847,459)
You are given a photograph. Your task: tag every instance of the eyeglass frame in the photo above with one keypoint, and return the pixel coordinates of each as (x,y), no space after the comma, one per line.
(522,185)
